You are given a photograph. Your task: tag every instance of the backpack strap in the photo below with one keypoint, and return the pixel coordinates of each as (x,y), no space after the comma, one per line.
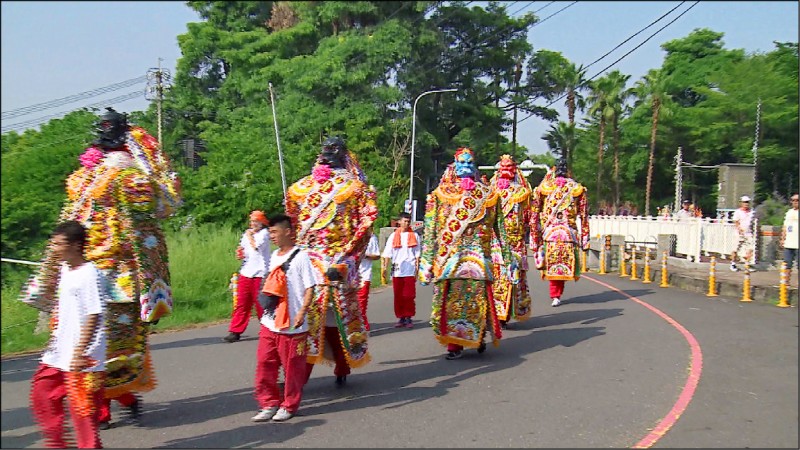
(288,262)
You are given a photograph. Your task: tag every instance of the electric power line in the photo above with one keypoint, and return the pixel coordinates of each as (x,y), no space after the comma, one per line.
(619,59)
(72,98)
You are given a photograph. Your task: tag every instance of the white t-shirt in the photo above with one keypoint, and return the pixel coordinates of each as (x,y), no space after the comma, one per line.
(299,278)
(745,219)
(404,259)
(365,269)
(255,261)
(790,223)
(81,292)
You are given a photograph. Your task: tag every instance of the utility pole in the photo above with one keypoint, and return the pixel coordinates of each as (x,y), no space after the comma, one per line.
(161,78)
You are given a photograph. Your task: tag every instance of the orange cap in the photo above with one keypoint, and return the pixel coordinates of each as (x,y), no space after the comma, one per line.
(259,216)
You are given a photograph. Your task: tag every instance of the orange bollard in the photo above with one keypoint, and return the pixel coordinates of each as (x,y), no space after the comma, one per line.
(623,268)
(783,296)
(646,275)
(602,270)
(664,277)
(633,264)
(746,285)
(712,278)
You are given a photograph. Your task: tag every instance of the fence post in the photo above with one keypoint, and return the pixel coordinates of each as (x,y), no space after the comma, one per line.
(623,268)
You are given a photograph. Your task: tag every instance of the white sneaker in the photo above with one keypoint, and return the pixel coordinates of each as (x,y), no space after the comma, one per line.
(556,302)
(282,415)
(734,268)
(265,414)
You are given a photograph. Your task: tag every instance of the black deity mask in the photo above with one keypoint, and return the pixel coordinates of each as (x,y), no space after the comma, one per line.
(111,129)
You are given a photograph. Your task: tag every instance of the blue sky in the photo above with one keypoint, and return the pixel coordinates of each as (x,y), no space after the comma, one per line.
(52,50)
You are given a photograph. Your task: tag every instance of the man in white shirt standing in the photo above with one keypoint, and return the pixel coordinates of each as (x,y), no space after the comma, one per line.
(371,253)
(284,330)
(402,251)
(73,364)
(254,252)
(743,220)
(789,235)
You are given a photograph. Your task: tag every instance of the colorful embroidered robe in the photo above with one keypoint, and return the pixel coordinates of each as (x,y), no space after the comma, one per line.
(558,203)
(120,204)
(334,219)
(457,257)
(512,300)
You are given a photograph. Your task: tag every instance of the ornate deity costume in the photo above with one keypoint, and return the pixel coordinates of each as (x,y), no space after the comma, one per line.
(558,202)
(123,188)
(461,215)
(334,210)
(512,300)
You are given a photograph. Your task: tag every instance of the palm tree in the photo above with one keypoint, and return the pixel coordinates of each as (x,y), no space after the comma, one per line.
(560,137)
(600,93)
(652,88)
(619,95)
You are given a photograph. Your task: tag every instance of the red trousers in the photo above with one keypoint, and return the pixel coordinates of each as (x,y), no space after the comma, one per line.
(363,298)
(405,291)
(127,399)
(556,288)
(246,298)
(48,391)
(333,339)
(276,350)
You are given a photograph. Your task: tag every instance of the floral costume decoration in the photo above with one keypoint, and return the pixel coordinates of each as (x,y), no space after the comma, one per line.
(333,210)
(461,216)
(557,203)
(119,196)
(512,300)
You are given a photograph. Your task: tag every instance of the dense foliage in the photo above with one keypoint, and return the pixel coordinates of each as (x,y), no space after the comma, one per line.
(356,69)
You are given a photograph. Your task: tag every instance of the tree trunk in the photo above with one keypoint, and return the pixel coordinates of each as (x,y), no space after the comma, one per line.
(600,156)
(656,107)
(571,112)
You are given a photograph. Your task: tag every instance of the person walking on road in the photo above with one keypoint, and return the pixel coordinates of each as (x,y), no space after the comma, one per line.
(73,363)
(288,289)
(790,235)
(371,253)
(401,257)
(254,252)
(559,228)
(743,221)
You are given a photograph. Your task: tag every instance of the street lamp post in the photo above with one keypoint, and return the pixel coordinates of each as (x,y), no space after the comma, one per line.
(413,140)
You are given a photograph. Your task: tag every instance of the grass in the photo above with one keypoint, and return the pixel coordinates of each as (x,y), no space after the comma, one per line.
(201,264)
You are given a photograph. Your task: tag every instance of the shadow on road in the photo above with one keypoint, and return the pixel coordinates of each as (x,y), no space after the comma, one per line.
(248,436)
(607,296)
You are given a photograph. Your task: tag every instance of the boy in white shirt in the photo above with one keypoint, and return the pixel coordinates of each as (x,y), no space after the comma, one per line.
(73,364)
(284,331)
(790,240)
(254,252)
(371,253)
(402,250)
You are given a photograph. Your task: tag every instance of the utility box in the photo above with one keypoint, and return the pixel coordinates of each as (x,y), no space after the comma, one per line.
(735,180)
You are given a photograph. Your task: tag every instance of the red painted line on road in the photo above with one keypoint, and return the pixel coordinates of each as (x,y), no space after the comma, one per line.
(695,370)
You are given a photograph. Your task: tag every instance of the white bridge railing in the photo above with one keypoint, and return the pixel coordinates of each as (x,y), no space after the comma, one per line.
(694,236)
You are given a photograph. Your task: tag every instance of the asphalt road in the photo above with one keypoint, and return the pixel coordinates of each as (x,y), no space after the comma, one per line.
(619,364)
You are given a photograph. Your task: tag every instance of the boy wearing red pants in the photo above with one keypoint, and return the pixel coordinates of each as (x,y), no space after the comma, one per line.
(73,364)
(286,295)
(402,252)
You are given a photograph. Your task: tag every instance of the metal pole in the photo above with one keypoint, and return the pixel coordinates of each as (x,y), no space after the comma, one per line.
(413,142)
(678,179)
(278,140)
(159,98)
